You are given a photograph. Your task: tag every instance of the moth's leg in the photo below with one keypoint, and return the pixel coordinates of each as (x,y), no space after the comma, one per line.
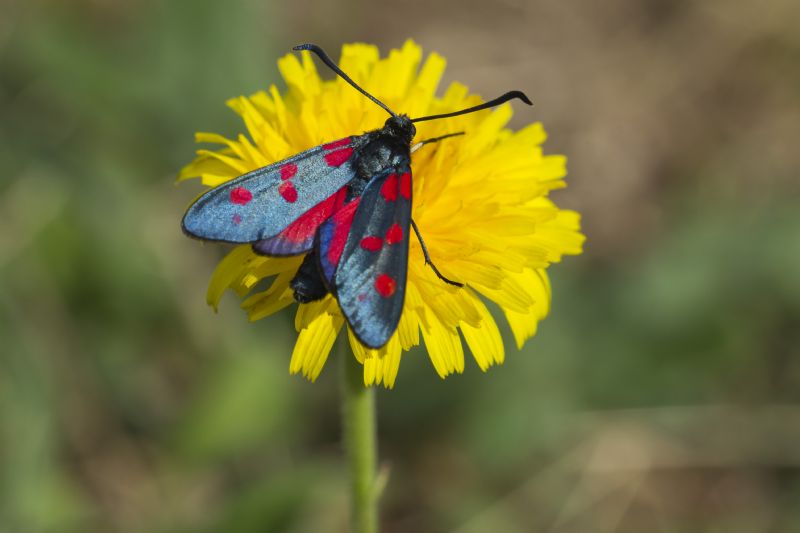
(307,283)
(433,140)
(428,257)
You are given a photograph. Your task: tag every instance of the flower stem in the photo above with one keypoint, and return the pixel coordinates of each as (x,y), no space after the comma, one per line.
(358,418)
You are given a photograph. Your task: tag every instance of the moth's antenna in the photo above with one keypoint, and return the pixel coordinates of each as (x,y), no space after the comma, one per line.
(497,101)
(328,61)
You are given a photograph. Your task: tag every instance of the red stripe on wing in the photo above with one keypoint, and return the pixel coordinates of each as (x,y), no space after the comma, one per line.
(298,237)
(341,229)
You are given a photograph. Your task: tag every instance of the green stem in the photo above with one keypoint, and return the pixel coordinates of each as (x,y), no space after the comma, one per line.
(358,414)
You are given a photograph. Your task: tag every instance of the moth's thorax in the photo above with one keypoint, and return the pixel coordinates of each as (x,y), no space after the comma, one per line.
(386,147)
(400,126)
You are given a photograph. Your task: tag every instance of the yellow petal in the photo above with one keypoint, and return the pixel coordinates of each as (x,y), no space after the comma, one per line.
(358,60)
(315,341)
(269,304)
(372,367)
(408,329)
(306,313)
(484,341)
(238,166)
(275,298)
(561,235)
(231,269)
(381,365)
(205,165)
(425,87)
(391,361)
(301,79)
(254,121)
(359,350)
(524,324)
(443,344)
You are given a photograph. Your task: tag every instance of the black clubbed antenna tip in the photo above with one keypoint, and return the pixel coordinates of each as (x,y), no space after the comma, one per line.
(522,96)
(334,67)
(510,95)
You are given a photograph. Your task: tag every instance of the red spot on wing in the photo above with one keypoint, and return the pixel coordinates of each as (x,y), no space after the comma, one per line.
(237,219)
(341,143)
(304,227)
(241,196)
(335,159)
(385,285)
(405,185)
(288,171)
(394,234)
(371,243)
(342,220)
(288,191)
(389,188)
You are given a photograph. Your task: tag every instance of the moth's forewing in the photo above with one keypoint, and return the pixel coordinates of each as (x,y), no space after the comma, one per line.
(261,204)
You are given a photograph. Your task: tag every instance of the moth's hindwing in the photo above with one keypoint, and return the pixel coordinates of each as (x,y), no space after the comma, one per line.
(261,204)
(333,235)
(369,276)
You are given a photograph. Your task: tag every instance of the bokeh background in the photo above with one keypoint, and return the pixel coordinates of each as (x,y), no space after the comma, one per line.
(662,394)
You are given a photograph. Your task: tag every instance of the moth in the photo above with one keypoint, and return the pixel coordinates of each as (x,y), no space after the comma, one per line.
(345,204)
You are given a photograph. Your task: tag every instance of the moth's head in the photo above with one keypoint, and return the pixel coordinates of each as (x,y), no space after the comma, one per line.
(401,126)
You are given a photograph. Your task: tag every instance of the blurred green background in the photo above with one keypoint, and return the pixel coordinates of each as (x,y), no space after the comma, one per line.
(662,394)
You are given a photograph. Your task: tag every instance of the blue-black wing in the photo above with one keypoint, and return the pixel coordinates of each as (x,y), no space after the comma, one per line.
(363,254)
(278,206)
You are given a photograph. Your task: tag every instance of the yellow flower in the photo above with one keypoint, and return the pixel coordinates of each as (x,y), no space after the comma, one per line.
(480,201)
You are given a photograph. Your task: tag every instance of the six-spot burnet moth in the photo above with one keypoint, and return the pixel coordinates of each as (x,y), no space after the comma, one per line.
(346,204)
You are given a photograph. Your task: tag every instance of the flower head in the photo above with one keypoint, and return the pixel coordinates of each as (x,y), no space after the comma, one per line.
(480,200)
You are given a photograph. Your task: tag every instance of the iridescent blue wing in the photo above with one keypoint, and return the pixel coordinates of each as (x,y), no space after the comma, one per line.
(260,205)
(369,274)
(298,237)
